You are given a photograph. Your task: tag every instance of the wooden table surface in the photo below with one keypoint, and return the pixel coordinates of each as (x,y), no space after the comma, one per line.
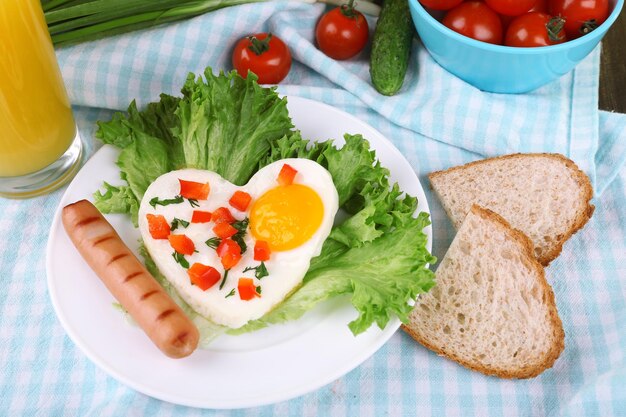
(613,67)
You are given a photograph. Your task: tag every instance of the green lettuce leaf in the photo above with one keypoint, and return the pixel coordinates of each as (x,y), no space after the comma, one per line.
(353,166)
(148,149)
(117,200)
(143,161)
(227,123)
(294,146)
(156,120)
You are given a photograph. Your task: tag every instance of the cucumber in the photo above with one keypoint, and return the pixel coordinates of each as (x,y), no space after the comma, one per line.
(391,46)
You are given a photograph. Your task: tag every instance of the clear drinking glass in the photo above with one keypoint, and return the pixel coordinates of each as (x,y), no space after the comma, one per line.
(40,148)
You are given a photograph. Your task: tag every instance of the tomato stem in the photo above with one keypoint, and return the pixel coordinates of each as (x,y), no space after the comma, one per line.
(554,27)
(348,10)
(258,46)
(588,26)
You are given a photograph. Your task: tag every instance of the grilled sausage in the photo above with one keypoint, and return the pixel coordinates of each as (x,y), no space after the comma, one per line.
(129,281)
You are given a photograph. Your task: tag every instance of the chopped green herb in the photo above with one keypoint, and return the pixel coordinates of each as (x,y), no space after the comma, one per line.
(241,226)
(214,242)
(224,279)
(176,222)
(156,202)
(259,271)
(258,289)
(193,202)
(180,258)
(231,293)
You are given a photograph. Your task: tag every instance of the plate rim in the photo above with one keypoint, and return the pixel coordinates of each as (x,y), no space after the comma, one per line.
(296,391)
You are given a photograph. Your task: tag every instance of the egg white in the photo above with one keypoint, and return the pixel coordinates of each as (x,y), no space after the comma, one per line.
(286,268)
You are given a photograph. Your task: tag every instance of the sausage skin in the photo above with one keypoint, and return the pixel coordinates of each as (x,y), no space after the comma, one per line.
(128,280)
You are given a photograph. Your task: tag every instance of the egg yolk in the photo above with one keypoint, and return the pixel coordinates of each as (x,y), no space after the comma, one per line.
(286,216)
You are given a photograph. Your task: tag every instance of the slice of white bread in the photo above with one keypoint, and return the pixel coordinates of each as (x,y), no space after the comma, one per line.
(545,196)
(492,309)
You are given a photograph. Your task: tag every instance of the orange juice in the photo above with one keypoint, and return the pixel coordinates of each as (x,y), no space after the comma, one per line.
(36,123)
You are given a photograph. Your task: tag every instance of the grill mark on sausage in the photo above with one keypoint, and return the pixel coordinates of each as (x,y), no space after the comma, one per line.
(164,314)
(131,276)
(148,295)
(117,257)
(88,220)
(102,239)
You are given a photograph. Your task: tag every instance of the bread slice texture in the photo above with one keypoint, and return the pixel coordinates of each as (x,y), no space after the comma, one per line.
(545,196)
(491,309)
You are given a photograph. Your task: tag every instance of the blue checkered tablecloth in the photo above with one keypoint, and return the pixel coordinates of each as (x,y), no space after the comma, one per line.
(436,121)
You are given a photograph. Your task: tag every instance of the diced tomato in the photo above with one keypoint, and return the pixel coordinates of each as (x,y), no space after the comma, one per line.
(226,246)
(182,244)
(203,276)
(261,250)
(223,215)
(240,200)
(158,226)
(230,259)
(194,190)
(286,175)
(224,230)
(229,252)
(200,216)
(247,289)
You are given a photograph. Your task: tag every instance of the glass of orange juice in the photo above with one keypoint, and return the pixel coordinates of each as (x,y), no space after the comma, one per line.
(40,148)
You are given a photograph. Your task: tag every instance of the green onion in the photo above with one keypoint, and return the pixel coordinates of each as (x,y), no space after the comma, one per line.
(73,21)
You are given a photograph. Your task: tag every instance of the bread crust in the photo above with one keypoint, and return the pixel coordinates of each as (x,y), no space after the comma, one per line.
(580,177)
(558,335)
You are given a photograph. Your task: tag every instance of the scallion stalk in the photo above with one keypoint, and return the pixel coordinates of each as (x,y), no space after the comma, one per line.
(69,24)
(101,8)
(56,27)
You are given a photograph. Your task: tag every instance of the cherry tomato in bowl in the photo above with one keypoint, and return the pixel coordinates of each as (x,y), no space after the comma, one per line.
(342,32)
(511,7)
(535,29)
(540,6)
(475,20)
(581,16)
(440,4)
(265,55)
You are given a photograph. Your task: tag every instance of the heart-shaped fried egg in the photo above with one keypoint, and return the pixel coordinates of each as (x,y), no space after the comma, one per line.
(231,252)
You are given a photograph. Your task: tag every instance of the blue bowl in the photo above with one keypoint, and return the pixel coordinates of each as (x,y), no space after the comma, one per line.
(503,69)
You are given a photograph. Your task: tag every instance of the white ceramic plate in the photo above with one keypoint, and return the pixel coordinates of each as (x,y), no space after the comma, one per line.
(271,365)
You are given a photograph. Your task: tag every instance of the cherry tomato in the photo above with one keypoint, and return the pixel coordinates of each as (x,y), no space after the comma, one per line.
(535,29)
(581,16)
(265,55)
(476,20)
(506,21)
(511,7)
(540,6)
(342,32)
(440,4)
